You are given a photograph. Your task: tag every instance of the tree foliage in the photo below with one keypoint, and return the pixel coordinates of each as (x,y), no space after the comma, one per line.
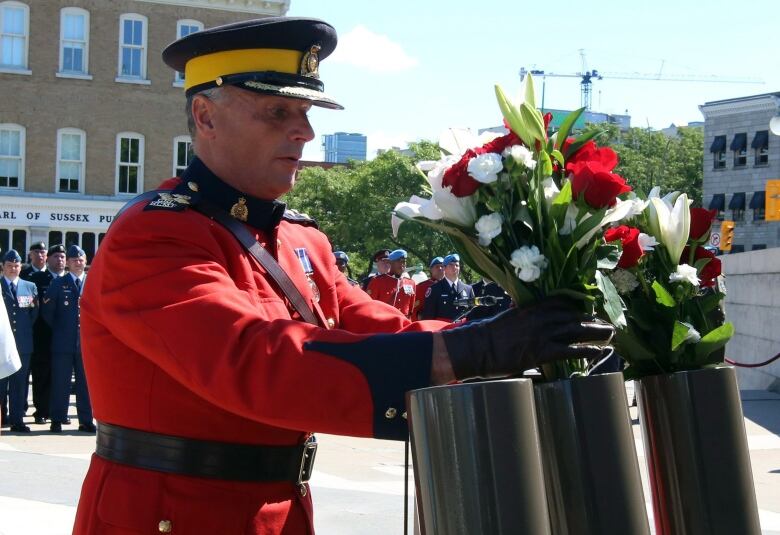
(650,158)
(353,204)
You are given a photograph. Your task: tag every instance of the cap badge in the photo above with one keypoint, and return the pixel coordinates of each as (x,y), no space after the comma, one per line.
(239,210)
(310,63)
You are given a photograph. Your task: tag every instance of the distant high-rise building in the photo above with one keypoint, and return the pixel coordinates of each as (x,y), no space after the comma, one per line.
(342,147)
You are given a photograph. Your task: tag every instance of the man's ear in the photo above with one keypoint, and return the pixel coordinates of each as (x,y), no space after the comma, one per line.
(203,110)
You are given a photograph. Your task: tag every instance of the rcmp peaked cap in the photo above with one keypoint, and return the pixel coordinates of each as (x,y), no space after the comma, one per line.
(435,261)
(38,246)
(56,249)
(74,251)
(398,254)
(12,256)
(274,55)
(380,254)
(450,258)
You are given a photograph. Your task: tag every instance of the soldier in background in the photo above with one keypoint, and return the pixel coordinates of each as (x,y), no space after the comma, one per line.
(488,288)
(395,288)
(442,299)
(40,364)
(342,263)
(37,256)
(380,266)
(437,272)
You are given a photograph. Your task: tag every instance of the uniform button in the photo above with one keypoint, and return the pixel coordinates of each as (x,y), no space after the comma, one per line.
(278,243)
(165,526)
(390,413)
(331,323)
(193,186)
(403,415)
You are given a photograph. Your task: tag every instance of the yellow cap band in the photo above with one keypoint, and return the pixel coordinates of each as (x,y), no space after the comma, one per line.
(209,67)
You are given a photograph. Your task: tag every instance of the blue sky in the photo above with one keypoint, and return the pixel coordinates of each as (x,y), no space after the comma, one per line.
(406,70)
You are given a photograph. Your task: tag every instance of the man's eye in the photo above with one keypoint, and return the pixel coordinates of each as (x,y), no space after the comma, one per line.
(278,113)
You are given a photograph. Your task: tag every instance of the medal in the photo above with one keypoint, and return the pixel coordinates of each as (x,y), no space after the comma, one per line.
(303,258)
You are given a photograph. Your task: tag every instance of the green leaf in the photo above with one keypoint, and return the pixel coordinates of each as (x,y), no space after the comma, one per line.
(700,263)
(630,347)
(567,124)
(584,227)
(534,121)
(530,93)
(662,295)
(678,334)
(613,305)
(546,163)
(558,156)
(512,116)
(607,256)
(579,142)
(714,340)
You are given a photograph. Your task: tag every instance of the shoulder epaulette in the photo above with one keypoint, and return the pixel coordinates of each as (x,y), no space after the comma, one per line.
(294,216)
(172,201)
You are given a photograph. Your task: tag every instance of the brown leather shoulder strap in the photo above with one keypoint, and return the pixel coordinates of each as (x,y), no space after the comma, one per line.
(268,262)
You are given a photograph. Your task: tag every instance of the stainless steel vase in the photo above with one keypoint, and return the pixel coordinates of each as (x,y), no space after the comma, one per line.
(590,465)
(477,465)
(697,453)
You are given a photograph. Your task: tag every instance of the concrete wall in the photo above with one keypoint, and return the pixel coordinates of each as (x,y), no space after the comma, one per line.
(753,305)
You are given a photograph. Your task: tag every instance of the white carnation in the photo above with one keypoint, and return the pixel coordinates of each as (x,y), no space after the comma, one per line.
(624,281)
(550,190)
(485,167)
(488,227)
(647,242)
(692,335)
(528,263)
(685,272)
(521,155)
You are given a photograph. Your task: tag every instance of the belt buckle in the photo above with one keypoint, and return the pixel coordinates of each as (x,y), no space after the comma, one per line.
(307,461)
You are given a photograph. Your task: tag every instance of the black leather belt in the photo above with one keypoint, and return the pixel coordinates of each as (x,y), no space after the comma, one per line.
(202,458)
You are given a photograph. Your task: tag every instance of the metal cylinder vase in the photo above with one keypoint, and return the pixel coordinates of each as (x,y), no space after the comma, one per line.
(591,469)
(697,453)
(477,465)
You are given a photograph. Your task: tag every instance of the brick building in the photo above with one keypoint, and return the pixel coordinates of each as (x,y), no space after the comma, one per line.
(90,116)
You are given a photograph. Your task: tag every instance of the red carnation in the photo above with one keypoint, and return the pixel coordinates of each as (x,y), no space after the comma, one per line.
(629,238)
(500,143)
(458,176)
(605,157)
(708,275)
(599,186)
(701,221)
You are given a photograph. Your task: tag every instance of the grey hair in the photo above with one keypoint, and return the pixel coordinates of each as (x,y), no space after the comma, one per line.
(214,93)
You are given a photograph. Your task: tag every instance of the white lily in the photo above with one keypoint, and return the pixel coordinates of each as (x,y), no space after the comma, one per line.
(550,190)
(670,223)
(456,141)
(692,335)
(612,215)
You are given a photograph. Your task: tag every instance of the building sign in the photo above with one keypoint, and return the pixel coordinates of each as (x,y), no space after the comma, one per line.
(43,218)
(57,213)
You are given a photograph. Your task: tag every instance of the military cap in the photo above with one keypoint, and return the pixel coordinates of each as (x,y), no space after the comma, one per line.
(450,258)
(56,249)
(38,246)
(341,257)
(12,256)
(74,251)
(398,254)
(380,254)
(273,55)
(437,260)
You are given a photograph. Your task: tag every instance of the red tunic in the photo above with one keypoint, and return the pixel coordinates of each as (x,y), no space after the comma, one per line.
(419,297)
(184,334)
(395,291)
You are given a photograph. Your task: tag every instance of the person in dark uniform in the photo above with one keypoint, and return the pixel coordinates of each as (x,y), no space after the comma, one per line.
(40,364)
(395,288)
(488,288)
(342,263)
(21,301)
(61,310)
(380,266)
(442,299)
(37,256)
(231,337)
(436,268)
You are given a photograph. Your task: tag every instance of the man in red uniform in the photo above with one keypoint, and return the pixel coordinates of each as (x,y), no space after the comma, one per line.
(437,272)
(395,288)
(210,368)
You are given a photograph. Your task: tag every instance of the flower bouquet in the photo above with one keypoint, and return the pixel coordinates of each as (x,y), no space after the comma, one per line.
(528,210)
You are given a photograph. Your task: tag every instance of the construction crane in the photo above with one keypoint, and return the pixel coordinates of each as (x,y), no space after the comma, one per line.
(587,76)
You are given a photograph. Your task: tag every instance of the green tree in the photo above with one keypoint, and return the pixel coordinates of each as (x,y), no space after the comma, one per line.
(650,158)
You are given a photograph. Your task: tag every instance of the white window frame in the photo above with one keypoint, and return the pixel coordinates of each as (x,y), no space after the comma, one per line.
(22,132)
(20,69)
(178,78)
(176,141)
(129,79)
(84,73)
(83,159)
(140,163)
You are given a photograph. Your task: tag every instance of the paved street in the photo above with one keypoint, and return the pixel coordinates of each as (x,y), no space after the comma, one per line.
(357,486)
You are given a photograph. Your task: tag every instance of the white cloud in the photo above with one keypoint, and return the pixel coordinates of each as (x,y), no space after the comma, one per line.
(365,49)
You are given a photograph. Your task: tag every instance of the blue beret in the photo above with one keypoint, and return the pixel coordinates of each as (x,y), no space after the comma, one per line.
(74,251)
(12,256)
(341,256)
(398,254)
(450,258)
(274,55)
(435,261)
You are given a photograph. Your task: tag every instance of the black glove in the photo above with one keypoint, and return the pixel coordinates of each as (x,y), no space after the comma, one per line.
(519,339)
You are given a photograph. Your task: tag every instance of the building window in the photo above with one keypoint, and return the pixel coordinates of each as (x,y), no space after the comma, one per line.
(739,146)
(182,154)
(758,246)
(132,47)
(14,29)
(718,203)
(737,249)
(70,160)
(11,156)
(88,244)
(737,206)
(129,163)
(13,239)
(55,238)
(718,150)
(183,29)
(761,146)
(74,41)
(758,205)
